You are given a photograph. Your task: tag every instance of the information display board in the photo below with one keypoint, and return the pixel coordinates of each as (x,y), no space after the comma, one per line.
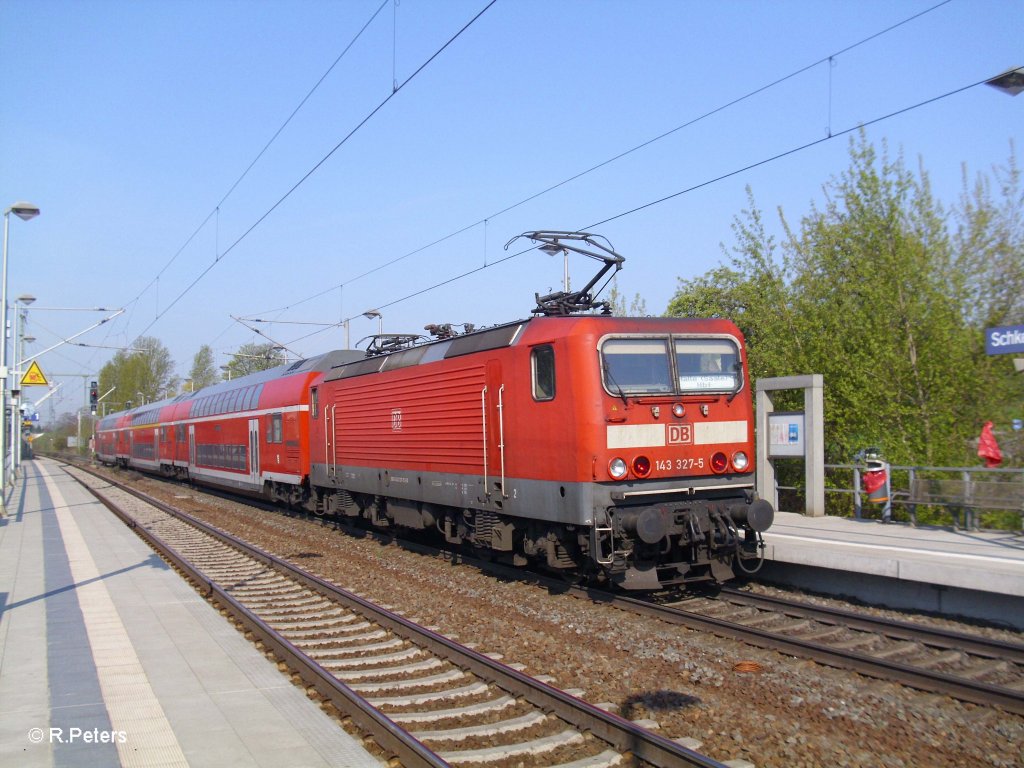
(786,434)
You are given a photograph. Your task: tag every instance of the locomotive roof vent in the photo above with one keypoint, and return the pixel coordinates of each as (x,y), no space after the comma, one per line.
(563,303)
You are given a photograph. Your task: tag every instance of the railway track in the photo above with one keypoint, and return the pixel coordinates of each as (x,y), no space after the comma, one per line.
(966,667)
(423,698)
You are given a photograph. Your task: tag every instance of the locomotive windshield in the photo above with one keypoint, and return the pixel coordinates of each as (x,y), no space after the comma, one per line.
(637,366)
(707,365)
(644,365)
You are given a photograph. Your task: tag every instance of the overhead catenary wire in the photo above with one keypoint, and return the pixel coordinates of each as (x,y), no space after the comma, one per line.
(215,213)
(216,209)
(721,177)
(829,59)
(320,163)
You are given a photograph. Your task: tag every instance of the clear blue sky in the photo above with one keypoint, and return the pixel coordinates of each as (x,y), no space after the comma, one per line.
(128,122)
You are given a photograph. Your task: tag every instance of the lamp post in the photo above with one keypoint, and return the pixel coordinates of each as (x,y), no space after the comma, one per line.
(23,211)
(372,313)
(554,250)
(20,313)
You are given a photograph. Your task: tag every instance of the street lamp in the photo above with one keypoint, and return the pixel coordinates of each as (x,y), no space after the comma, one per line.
(227,372)
(23,211)
(372,313)
(554,250)
(1010,82)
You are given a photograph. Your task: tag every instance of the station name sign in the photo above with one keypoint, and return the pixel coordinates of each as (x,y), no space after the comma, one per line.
(1004,340)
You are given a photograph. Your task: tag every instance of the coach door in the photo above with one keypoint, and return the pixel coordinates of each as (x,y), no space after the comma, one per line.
(191,446)
(254,452)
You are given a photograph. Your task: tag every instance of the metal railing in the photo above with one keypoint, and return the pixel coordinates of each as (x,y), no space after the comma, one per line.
(962,506)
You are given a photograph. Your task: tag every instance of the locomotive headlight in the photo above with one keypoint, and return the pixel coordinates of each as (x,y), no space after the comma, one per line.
(641,466)
(740,461)
(678,410)
(617,468)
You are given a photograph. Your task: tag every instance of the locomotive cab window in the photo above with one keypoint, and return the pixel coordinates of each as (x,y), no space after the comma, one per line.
(708,365)
(314,402)
(542,363)
(636,366)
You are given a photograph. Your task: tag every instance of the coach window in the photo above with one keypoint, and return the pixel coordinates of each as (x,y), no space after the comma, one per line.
(542,363)
(314,400)
(274,428)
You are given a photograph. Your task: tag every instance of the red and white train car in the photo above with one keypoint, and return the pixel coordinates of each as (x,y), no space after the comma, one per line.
(250,434)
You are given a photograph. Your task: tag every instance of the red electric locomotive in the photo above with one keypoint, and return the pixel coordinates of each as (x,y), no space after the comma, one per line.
(615,447)
(612,446)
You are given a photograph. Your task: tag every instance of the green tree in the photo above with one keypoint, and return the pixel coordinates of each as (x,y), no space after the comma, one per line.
(989,247)
(254,357)
(636,308)
(145,374)
(55,438)
(204,372)
(878,291)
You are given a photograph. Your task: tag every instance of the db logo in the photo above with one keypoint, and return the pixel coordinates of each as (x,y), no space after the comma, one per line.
(680,434)
(396,420)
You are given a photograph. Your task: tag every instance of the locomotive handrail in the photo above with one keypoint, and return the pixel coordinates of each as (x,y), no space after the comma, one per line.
(501,436)
(483,414)
(687,489)
(334,448)
(327,441)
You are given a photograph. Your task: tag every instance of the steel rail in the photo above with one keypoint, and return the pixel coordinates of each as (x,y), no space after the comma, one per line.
(871,666)
(624,735)
(981,646)
(906,674)
(388,735)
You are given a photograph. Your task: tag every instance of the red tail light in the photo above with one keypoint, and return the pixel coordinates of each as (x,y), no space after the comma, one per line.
(719,462)
(641,466)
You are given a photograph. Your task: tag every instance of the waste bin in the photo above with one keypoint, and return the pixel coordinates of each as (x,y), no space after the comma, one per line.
(875,478)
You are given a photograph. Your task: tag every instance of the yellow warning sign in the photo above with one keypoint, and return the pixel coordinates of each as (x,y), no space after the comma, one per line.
(34,375)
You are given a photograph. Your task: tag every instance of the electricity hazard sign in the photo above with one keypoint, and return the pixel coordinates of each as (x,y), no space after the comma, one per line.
(34,375)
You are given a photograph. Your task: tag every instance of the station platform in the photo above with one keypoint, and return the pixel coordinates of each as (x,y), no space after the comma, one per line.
(108,657)
(974,574)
